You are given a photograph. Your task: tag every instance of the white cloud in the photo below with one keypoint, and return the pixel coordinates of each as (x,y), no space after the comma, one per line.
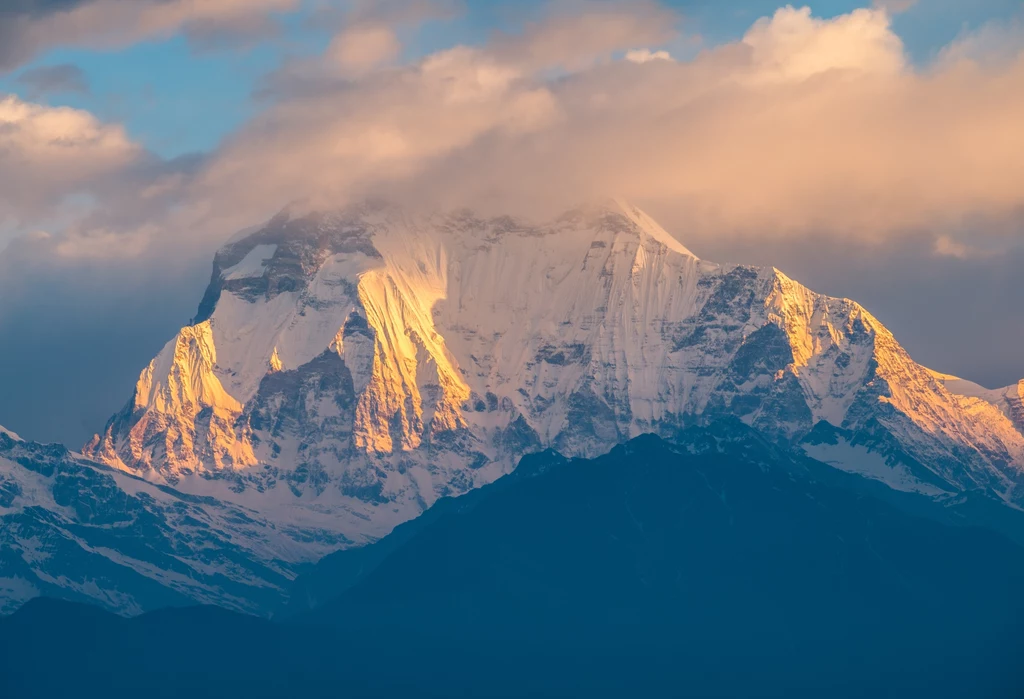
(646,56)
(793,45)
(361,47)
(50,153)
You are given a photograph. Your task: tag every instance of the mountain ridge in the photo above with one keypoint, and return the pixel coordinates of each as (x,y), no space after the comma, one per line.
(348,370)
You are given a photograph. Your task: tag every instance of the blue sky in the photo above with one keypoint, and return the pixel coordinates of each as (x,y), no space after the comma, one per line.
(175,98)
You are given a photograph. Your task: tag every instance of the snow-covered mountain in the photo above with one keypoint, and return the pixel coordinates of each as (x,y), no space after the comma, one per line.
(75,529)
(1010,400)
(347,369)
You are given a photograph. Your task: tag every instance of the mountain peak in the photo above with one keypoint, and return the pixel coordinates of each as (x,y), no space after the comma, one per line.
(651,227)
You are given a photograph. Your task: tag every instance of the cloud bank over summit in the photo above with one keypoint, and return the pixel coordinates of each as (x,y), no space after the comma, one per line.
(805,129)
(803,124)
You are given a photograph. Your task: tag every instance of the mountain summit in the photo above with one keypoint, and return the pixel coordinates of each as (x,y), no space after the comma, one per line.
(347,369)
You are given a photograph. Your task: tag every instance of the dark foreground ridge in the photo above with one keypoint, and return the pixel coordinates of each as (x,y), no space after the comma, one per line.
(715,567)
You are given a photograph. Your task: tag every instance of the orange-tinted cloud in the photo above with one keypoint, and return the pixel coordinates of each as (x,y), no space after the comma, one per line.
(47,153)
(804,124)
(34,26)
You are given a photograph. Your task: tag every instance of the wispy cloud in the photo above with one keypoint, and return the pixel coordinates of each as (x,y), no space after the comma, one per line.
(895,6)
(50,153)
(29,27)
(55,79)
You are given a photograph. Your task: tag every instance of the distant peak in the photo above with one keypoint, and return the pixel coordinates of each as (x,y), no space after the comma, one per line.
(651,227)
(619,206)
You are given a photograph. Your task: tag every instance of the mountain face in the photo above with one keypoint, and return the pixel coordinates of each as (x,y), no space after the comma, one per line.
(345,370)
(78,530)
(718,565)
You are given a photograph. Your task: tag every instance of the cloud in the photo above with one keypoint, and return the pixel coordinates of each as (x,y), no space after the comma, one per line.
(793,45)
(894,7)
(803,124)
(361,47)
(48,154)
(56,79)
(29,27)
(575,34)
(646,55)
(394,123)
(994,42)
(393,13)
(36,8)
(947,246)
(363,130)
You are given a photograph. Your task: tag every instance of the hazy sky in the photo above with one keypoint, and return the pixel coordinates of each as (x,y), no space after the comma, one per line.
(873,151)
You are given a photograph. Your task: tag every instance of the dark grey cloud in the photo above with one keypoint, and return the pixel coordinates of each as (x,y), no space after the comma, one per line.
(38,8)
(76,336)
(16,19)
(216,35)
(29,27)
(56,79)
(335,15)
(962,316)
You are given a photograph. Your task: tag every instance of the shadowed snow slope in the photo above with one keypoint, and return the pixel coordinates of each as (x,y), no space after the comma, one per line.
(347,369)
(78,530)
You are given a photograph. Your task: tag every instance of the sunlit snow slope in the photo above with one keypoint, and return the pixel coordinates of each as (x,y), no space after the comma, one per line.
(347,369)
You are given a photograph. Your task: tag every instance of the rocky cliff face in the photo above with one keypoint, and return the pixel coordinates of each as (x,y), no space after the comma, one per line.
(347,369)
